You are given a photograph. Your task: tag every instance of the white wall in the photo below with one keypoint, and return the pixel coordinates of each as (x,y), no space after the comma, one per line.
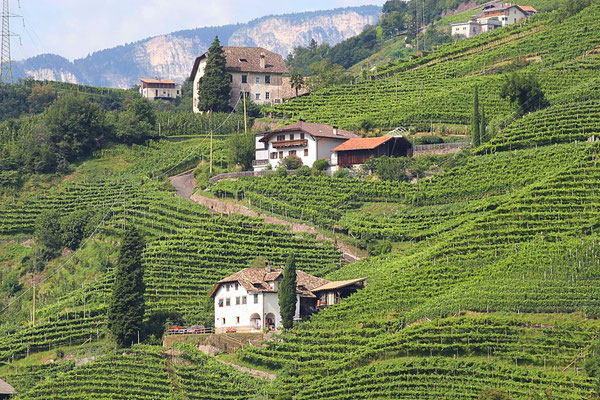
(150,93)
(325,147)
(230,313)
(199,74)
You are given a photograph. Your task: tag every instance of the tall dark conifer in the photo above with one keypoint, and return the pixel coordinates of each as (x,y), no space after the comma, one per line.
(483,126)
(287,293)
(126,312)
(214,88)
(476,120)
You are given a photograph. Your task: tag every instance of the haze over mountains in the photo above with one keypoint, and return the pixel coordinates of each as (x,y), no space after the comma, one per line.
(172,55)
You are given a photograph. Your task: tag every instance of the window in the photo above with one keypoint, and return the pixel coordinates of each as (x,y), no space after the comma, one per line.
(238,301)
(223,321)
(156,92)
(244,300)
(237,286)
(178,92)
(255,299)
(274,155)
(268,79)
(227,287)
(237,320)
(220,302)
(257,96)
(281,154)
(280,138)
(305,152)
(292,152)
(291,136)
(244,78)
(302,135)
(230,78)
(267,96)
(228,302)
(257,80)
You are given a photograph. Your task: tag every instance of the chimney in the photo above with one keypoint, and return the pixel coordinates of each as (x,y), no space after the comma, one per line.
(268,267)
(335,130)
(263,62)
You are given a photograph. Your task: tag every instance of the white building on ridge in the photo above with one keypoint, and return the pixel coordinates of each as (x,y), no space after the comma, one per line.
(247,301)
(309,142)
(492,17)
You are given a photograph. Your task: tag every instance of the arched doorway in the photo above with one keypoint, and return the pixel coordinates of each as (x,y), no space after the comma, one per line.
(255,321)
(270,321)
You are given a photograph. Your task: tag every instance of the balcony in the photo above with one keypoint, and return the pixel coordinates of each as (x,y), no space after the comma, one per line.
(258,163)
(281,144)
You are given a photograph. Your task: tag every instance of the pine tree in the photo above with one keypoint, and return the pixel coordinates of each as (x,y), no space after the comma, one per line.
(214,88)
(483,126)
(126,310)
(476,123)
(287,293)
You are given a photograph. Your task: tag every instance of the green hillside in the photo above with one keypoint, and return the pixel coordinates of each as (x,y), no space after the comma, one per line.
(483,266)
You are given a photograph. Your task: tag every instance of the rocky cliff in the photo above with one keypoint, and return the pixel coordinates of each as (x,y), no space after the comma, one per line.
(171,56)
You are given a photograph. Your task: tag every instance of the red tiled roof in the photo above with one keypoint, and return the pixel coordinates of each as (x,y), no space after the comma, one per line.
(528,9)
(316,130)
(362,143)
(247,59)
(158,81)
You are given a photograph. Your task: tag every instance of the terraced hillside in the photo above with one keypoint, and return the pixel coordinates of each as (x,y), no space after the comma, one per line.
(490,289)
(438,88)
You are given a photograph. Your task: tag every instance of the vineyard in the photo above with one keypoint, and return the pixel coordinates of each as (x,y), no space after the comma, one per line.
(487,286)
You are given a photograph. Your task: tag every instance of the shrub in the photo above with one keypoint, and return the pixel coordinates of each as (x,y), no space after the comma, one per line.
(281,172)
(303,171)
(291,162)
(319,166)
(342,173)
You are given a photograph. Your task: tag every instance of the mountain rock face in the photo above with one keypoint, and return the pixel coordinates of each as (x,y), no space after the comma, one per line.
(172,56)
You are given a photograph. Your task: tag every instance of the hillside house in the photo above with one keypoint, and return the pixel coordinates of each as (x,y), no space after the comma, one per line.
(153,89)
(307,141)
(357,151)
(492,17)
(256,71)
(247,301)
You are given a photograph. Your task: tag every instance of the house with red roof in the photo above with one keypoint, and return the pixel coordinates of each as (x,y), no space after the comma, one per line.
(357,151)
(491,17)
(307,141)
(153,89)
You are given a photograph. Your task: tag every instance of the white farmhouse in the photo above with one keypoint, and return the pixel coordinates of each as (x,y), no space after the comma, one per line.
(256,71)
(153,89)
(247,301)
(309,142)
(492,17)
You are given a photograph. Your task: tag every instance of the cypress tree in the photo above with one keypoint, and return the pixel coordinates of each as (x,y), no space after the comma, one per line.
(126,309)
(475,123)
(287,293)
(214,88)
(483,126)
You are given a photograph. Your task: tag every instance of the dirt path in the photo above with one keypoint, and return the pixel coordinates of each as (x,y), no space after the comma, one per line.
(184,186)
(246,370)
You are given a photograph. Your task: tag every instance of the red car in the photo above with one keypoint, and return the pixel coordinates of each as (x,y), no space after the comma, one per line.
(176,330)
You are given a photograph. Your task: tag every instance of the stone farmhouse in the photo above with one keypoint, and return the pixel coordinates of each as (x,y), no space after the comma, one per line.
(492,17)
(153,89)
(307,141)
(255,71)
(247,301)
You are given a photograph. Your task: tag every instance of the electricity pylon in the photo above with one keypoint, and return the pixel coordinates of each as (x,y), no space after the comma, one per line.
(6,75)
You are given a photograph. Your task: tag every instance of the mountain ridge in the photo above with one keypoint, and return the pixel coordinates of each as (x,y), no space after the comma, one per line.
(171,55)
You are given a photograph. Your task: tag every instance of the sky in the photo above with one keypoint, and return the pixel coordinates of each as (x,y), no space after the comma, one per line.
(76,28)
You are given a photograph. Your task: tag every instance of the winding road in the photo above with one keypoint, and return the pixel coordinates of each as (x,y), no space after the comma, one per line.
(185,186)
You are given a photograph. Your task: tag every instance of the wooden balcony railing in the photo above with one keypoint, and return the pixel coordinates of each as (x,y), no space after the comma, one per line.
(290,143)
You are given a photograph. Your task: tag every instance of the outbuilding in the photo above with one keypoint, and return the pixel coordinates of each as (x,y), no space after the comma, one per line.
(6,390)
(358,150)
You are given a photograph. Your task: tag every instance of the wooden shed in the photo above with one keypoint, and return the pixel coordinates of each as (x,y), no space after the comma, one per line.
(358,151)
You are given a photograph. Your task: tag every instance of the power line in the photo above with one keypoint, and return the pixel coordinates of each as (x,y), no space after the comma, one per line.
(6,75)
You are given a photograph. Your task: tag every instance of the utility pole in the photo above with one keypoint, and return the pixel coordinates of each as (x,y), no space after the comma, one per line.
(6,75)
(211,152)
(245,113)
(33,307)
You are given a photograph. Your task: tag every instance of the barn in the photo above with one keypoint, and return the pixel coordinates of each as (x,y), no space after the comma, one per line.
(357,151)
